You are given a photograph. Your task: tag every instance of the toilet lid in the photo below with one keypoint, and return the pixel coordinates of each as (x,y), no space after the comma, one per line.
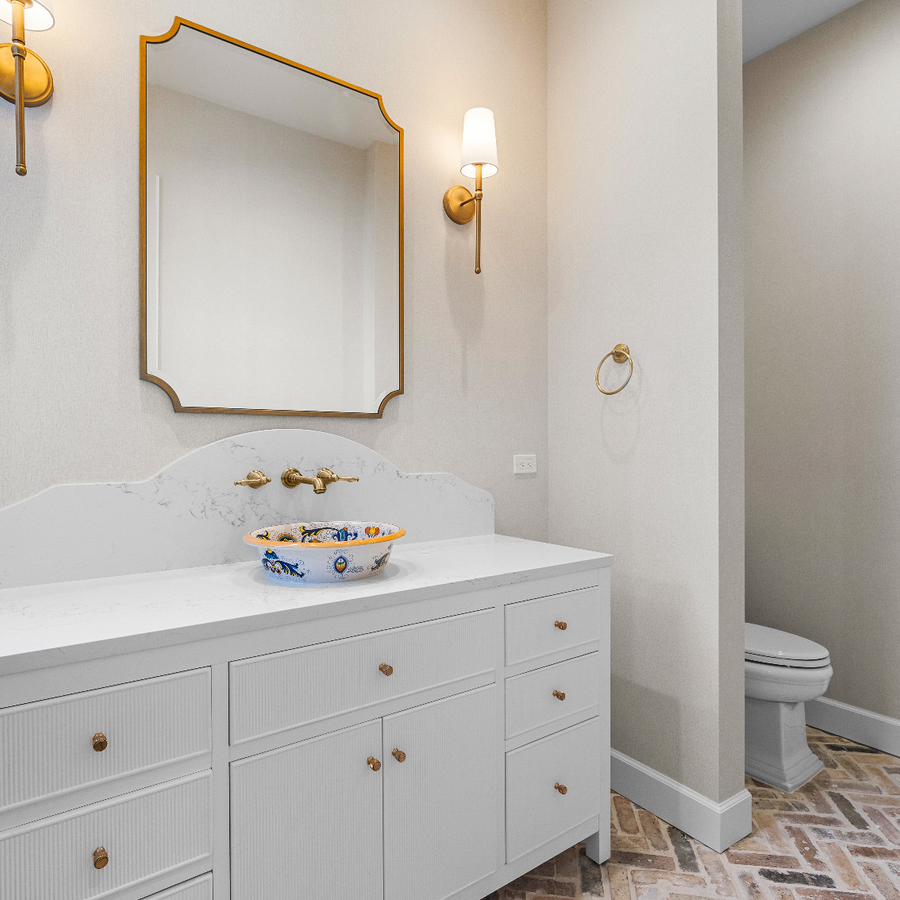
(779,648)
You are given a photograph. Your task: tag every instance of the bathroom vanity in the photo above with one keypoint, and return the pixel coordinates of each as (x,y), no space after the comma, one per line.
(432,732)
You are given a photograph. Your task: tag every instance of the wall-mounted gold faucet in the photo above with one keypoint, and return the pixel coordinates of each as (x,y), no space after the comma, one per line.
(291,478)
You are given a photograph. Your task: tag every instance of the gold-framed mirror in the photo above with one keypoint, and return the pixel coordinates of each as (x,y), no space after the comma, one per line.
(271,232)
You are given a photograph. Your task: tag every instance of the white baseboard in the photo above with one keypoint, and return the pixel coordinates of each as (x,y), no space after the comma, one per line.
(859,725)
(718,825)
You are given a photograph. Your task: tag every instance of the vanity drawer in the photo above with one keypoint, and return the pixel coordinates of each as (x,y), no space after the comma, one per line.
(535,628)
(552,693)
(284,690)
(196,889)
(145,833)
(48,747)
(536,812)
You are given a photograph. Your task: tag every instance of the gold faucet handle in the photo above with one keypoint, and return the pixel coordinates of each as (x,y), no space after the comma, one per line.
(329,477)
(254,479)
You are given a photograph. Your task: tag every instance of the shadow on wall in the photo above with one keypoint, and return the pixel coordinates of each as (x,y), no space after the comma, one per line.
(465,289)
(662,709)
(620,414)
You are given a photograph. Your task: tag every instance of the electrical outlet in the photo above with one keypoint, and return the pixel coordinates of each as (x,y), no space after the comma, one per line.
(524,463)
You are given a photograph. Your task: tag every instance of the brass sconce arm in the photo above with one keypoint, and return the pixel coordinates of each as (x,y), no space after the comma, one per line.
(19,53)
(455,201)
(290,478)
(477,198)
(25,79)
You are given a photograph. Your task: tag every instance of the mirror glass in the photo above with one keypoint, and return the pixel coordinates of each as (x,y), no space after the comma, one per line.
(272,233)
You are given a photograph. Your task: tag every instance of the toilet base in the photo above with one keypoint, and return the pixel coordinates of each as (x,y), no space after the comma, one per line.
(775,748)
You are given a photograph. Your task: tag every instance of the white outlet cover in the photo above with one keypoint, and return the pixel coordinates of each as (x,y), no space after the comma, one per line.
(524,464)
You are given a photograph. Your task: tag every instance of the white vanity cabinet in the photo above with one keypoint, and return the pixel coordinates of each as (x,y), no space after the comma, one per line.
(441,802)
(351,814)
(430,734)
(91,804)
(290,809)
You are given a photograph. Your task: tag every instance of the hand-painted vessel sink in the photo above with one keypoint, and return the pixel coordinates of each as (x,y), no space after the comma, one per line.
(324,552)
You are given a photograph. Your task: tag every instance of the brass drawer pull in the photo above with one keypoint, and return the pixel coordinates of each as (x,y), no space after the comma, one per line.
(399,755)
(562,626)
(560,695)
(373,763)
(101,858)
(561,788)
(385,669)
(99,742)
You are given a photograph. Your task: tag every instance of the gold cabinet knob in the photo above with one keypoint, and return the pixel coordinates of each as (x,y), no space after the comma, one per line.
(399,755)
(101,858)
(254,479)
(560,695)
(99,742)
(385,669)
(561,625)
(561,788)
(373,763)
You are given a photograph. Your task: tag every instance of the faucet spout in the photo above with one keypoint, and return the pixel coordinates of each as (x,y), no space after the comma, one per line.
(290,478)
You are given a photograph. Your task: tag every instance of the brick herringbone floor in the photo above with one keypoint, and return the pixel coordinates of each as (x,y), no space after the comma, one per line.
(836,838)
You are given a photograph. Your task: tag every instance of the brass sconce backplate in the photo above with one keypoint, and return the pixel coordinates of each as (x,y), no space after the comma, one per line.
(38,80)
(454,198)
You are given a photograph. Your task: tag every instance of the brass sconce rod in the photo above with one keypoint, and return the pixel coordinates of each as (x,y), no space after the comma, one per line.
(25,79)
(19,53)
(478,196)
(457,199)
(476,199)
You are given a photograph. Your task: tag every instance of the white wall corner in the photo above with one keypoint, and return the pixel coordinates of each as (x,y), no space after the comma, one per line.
(860,725)
(718,825)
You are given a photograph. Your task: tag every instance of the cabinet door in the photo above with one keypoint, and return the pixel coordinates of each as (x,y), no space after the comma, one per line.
(440,802)
(306,819)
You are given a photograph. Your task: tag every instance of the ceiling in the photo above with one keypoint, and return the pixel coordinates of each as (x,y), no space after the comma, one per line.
(768,23)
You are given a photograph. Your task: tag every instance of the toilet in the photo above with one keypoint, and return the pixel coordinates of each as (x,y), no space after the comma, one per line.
(781,672)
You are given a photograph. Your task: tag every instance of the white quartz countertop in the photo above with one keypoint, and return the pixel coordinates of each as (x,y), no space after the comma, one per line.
(53,624)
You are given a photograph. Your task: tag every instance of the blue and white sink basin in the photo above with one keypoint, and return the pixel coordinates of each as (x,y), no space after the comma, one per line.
(324,552)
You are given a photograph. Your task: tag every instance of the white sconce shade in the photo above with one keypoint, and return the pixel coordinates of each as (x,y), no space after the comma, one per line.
(38,16)
(479,144)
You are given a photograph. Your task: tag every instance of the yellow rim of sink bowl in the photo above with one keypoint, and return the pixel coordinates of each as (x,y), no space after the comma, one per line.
(259,542)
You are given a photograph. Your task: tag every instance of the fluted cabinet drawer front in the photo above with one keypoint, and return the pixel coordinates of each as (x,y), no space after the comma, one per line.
(283,690)
(196,889)
(46,747)
(535,628)
(552,693)
(145,833)
(536,811)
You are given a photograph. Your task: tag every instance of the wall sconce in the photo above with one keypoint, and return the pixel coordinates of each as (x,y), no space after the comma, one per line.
(479,159)
(25,79)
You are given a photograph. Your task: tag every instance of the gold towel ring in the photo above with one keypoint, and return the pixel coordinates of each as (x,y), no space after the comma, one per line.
(619,353)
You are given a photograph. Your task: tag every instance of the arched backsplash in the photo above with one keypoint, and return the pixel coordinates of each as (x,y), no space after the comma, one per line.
(191,513)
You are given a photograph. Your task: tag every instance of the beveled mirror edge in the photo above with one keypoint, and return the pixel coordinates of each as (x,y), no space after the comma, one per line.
(155,379)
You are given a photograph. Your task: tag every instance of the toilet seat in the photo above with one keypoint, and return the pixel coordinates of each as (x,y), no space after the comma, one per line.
(785,684)
(769,646)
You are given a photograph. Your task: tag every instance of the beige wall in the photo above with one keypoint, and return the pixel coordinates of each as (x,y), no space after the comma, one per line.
(72,408)
(822,151)
(642,101)
(644,211)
